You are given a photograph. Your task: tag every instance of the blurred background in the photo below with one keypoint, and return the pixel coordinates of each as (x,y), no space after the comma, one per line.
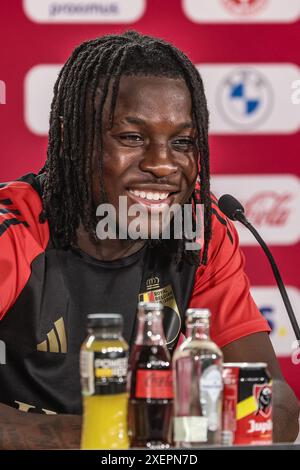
(248,52)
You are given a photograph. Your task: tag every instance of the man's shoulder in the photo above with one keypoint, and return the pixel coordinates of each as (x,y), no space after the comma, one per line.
(25,187)
(22,236)
(21,206)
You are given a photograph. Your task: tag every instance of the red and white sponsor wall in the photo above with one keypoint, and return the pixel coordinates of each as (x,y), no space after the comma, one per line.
(248,52)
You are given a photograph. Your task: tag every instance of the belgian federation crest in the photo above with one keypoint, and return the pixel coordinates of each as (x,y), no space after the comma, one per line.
(164,295)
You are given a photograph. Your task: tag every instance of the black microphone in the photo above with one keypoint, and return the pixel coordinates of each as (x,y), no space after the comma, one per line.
(234,210)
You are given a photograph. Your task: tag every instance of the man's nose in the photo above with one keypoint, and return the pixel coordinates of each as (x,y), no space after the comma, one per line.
(158,161)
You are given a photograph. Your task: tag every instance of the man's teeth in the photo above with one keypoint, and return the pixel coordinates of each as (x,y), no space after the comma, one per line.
(151,196)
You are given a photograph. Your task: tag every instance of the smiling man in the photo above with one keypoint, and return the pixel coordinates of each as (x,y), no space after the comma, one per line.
(128,118)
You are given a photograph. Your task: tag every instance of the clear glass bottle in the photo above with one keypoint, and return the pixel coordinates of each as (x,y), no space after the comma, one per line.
(151,388)
(103,369)
(198,385)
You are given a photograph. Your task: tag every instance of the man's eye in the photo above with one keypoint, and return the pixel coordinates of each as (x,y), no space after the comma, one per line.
(135,138)
(184,142)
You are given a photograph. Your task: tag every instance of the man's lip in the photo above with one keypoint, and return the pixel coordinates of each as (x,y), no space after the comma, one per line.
(160,204)
(154,188)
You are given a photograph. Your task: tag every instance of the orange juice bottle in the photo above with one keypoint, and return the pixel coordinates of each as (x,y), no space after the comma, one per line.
(103,370)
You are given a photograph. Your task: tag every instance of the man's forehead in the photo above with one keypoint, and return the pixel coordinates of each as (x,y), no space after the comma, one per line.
(143,98)
(140,121)
(135,89)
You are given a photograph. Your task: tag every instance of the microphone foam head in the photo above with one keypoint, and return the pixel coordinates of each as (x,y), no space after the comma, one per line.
(230,206)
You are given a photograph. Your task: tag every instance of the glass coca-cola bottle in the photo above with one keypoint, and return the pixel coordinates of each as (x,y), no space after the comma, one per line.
(150,382)
(198,385)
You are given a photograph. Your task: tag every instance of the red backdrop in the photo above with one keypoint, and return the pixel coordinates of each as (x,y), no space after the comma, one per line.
(25,44)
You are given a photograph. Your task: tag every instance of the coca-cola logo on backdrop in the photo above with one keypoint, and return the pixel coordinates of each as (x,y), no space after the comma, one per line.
(269,208)
(271,204)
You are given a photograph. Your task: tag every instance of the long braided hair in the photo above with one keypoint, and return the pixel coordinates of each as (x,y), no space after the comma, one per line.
(67,186)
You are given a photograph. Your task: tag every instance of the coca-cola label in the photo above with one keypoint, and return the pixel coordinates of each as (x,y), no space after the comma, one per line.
(156,384)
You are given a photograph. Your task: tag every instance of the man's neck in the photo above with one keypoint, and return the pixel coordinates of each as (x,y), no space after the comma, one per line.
(106,250)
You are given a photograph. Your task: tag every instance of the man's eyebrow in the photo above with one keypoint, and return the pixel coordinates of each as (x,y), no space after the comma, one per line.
(133,120)
(187,125)
(140,121)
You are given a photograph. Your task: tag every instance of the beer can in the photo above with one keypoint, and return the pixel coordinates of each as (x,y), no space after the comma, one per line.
(247,404)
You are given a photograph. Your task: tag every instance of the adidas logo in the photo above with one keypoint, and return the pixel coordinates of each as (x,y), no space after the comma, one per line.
(56,341)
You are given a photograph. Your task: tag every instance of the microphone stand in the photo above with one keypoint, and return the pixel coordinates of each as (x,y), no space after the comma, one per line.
(239,215)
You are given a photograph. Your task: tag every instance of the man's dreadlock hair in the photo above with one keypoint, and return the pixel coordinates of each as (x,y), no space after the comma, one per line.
(67,187)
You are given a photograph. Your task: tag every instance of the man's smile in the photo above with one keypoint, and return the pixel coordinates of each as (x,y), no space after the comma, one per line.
(153,198)
(150,195)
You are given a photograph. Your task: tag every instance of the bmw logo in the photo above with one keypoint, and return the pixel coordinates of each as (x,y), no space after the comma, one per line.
(245,98)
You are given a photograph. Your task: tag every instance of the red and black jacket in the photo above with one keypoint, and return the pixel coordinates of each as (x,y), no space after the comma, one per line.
(43,326)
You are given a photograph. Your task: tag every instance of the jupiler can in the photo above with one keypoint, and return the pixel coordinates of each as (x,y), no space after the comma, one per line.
(247,404)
